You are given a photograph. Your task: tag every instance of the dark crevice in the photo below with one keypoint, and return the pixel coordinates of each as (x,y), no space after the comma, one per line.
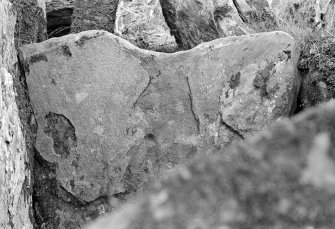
(29,126)
(238,133)
(59,21)
(244,19)
(145,89)
(196,117)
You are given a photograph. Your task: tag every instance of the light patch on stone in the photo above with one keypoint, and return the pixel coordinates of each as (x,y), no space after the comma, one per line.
(186,139)
(180,107)
(320,170)
(81,96)
(98,130)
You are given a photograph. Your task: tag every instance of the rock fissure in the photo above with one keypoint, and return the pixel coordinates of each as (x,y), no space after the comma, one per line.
(232,129)
(240,14)
(144,91)
(194,113)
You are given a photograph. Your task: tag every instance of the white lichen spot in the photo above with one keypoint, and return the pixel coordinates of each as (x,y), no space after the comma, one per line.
(81,96)
(98,130)
(180,107)
(320,170)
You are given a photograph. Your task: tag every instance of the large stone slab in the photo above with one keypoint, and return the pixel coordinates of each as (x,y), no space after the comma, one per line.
(282,178)
(112,116)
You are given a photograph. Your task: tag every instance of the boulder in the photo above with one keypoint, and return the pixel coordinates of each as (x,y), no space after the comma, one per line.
(282,178)
(94,14)
(142,23)
(191,21)
(112,117)
(21,22)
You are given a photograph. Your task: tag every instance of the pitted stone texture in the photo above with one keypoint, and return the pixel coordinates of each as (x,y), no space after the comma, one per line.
(15,180)
(240,17)
(142,23)
(30,21)
(228,20)
(127,115)
(282,178)
(94,14)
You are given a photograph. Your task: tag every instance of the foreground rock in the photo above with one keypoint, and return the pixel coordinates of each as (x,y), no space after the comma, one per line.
(94,14)
(142,23)
(112,117)
(20,23)
(282,178)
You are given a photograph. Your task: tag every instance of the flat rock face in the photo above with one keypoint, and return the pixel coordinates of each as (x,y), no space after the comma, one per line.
(15,180)
(94,14)
(111,116)
(282,178)
(142,23)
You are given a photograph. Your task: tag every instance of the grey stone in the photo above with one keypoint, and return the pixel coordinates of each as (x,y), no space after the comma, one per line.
(112,117)
(282,178)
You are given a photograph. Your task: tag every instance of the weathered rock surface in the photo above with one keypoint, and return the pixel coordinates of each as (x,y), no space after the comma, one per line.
(55,4)
(30,21)
(241,17)
(191,21)
(282,178)
(256,14)
(94,14)
(142,23)
(111,116)
(311,12)
(228,20)
(194,22)
(17,26)
(15,201)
